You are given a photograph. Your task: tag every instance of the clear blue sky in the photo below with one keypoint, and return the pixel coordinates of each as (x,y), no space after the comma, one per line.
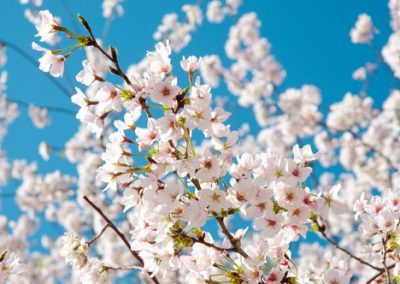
(309,37)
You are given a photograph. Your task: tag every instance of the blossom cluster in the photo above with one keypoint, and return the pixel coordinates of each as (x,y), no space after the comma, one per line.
(167,191)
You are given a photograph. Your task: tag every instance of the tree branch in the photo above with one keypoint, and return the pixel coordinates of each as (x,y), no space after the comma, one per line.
(49,108)
(99,235)
(387,270)
(114,59)
(379,274)
(235,243)
(121,236)
(34,63)
(321,229)
(133,267)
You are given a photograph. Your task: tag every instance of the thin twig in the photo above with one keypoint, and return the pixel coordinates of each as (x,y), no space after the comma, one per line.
(34,63)
(379,274)
(387,271)
(107,26)
(49,108)
(365,144)
(121,236)
(99,235)
(207,244)
(71,16)
(388,68)
(133,267)
(321,229)
(66,76)
(114,59)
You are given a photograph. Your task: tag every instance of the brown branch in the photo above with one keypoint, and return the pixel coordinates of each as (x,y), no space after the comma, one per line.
(210,245)
(235,243)
(31,60)
(196,183)
(385,252)
(388,68)
(365,144)
(133,267)
(120,235)
(144,106)
(114,59)
(99,235)
(49,108)
(70,14)
(380,153)
(379,274)
(321,229)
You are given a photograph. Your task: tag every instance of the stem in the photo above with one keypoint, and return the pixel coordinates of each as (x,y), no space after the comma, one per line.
(322,231)
(207,244)
(232,240)
(66,76)
(50,108)
(34,63)
(114,59)
(196,183)
(106,29)
(70,15)
(120,235)
(387,271)
(388,68)
(365,144)
(99,235)
(379,274)
(133,267)
(210,245)
(107,26)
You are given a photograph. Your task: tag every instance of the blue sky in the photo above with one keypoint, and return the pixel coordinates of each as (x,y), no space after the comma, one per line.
(309,37)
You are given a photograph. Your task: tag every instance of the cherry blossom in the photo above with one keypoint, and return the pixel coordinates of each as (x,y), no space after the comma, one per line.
(54,64)
(363,30)
(168,189)
(47,25)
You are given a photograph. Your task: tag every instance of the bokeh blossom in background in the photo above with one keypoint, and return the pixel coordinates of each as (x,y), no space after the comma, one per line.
(171,142)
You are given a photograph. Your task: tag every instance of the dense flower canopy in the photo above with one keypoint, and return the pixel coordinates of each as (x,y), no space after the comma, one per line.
(162,175)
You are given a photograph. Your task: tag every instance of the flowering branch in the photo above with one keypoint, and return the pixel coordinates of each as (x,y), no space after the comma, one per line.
(367,145)
(114,59)
(322,229)
(120,235)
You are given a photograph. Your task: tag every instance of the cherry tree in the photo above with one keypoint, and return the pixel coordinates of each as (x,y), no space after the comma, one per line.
(162,176)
